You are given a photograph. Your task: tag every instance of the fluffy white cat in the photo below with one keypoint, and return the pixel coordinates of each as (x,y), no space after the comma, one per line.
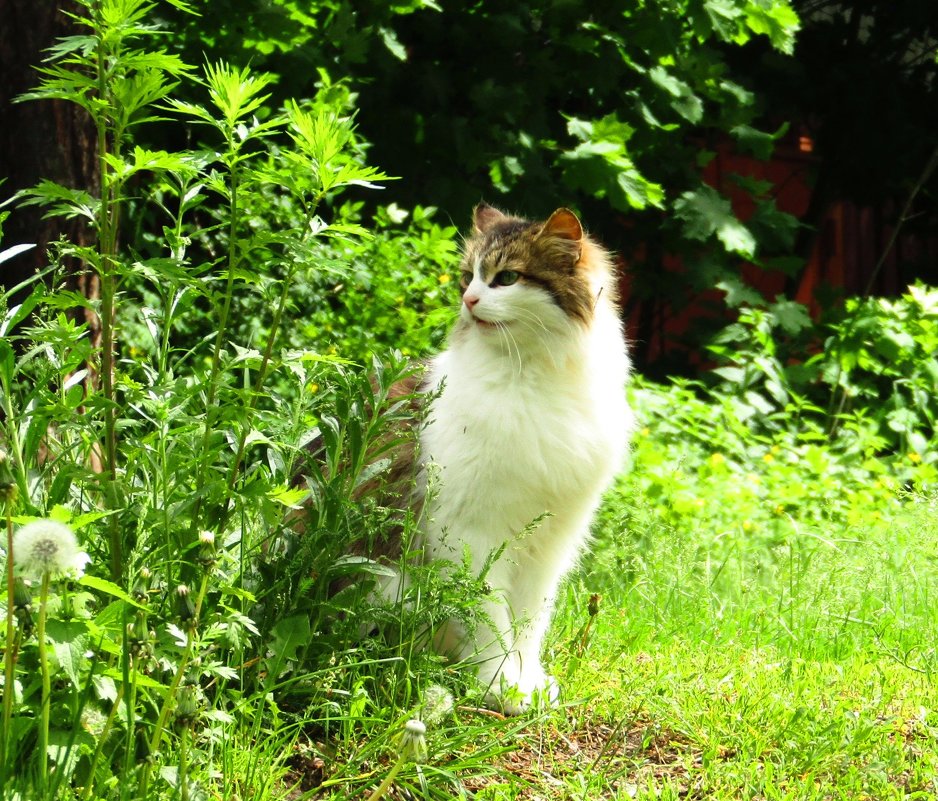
(528,426)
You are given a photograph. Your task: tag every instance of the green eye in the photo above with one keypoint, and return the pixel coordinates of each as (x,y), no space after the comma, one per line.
(506,278)
(466,278)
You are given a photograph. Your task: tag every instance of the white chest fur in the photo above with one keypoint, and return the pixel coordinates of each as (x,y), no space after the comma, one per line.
(517,436)
(537,433)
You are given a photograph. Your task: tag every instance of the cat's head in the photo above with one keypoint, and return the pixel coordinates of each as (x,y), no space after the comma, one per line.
(530,278)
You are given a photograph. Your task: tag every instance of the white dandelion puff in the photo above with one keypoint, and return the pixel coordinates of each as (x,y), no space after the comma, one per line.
(437,704)
(413,744)
(43,547)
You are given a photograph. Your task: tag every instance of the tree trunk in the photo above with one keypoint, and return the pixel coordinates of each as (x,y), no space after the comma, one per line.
(45,139)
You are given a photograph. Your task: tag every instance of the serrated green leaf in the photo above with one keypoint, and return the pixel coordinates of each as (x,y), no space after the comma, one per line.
(738,294)
(706,213)
(792,316)
(777,20)
(685,102)
(69,640)
(291,498)
(761,144)
(725,18)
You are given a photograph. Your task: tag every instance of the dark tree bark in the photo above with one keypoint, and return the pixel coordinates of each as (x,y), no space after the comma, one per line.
(46,139)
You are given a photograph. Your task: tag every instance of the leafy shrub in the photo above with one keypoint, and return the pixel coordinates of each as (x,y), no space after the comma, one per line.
(395,291)
(872,367)
(881,357)
(704,480)
(202,614)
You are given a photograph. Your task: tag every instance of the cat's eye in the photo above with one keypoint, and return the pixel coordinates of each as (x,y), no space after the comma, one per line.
(465,277)
(506,278)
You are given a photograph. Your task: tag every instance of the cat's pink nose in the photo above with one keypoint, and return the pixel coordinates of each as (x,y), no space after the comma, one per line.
(470,301)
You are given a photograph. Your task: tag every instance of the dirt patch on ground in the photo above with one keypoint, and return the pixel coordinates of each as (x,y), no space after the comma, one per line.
(612,759)
(543,763)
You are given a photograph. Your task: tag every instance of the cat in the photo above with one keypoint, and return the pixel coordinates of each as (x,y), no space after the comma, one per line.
(527,426)
(515,430)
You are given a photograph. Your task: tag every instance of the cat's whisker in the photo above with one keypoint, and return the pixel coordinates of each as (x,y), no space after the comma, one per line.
(509,338)
(529,316)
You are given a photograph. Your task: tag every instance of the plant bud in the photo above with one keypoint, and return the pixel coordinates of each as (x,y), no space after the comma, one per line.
(187,705)
(23,606)
(141,588)
(593,606)
(138,634)
(185,609)
(7,482)
(207,556)
(22,597)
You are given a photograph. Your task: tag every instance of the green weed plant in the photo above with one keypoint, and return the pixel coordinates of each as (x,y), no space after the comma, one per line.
(202,638)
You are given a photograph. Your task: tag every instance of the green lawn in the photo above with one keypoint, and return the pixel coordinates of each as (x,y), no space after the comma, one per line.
(717,668)
(716,673)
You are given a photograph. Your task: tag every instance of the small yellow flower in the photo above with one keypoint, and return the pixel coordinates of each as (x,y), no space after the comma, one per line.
(768,458)
(645,432)
(314,388)
(747,525)
(779,509)
(914,457)
(444,278)
(717,458)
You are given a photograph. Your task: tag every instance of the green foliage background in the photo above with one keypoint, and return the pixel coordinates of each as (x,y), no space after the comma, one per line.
(611,109)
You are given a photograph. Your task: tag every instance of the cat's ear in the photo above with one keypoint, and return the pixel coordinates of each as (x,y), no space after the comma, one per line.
(485,216)
(563,224)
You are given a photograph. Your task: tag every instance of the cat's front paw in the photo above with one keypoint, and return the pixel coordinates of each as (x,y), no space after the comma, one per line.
(516,698)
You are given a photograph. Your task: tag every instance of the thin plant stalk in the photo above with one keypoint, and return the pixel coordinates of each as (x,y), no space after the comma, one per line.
(46,685)
(184,765)
(130,681)
(107,248)
(171,693)
(234,211)
(382,788)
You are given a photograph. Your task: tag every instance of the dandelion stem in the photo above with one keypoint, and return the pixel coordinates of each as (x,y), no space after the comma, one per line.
(46,685)
(383,787)
(183,765)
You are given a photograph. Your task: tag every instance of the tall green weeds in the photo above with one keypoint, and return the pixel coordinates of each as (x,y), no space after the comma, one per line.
(173,456)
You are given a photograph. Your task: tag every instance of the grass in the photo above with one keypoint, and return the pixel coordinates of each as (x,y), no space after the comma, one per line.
(718,675)
(722,672)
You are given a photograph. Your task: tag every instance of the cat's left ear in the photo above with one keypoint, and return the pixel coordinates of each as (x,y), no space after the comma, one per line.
(485,216)
(563,224)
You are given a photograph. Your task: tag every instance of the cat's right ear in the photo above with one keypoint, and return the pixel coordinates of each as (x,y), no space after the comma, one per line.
(485,216)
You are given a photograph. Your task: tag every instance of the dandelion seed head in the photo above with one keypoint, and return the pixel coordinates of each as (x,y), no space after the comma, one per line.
(437,703)
(43,547)
(413,741)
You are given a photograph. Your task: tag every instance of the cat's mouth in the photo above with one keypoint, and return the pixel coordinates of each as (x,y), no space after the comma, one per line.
(486,324)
